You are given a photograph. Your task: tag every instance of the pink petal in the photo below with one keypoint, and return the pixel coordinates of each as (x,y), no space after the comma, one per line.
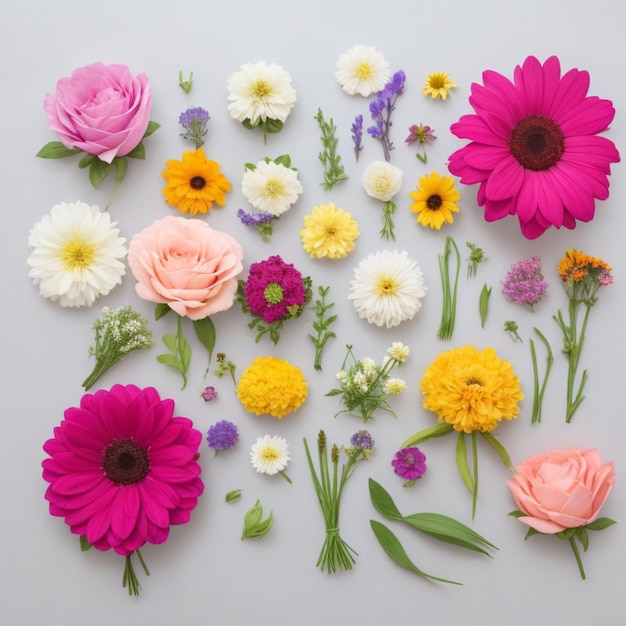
(125,510)
(543,526)
(506,180)
(572,90)
(591,116)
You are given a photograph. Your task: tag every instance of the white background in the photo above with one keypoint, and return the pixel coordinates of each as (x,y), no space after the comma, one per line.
(204,573)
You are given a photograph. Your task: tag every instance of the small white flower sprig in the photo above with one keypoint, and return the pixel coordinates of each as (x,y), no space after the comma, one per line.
(382,181)
(366,386)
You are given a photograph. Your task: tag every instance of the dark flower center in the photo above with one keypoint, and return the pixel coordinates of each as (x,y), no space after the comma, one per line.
(474,381)
(197,182)
(126,462)
(537,143)
(434,202)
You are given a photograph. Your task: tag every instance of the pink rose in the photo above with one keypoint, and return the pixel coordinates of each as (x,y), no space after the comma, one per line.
(186,264)
(561,489)
(101,109)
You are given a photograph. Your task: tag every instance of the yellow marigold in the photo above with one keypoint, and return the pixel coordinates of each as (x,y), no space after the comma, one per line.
(329,232)
(470,389)
(576,265)
(272,386)
(194,183)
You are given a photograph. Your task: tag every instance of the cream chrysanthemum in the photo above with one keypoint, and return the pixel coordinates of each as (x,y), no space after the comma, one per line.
(381,180)
(387,288)
(362,71)
(75,252)
(260,91)
(329,232)
(270,455)
(271,187)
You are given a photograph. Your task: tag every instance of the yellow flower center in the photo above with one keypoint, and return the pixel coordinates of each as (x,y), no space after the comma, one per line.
(330,231)
(382,185)
(437,81)
(78,254)
(386,286)
(274,188)
(260,90)
(364,70)
(270,454)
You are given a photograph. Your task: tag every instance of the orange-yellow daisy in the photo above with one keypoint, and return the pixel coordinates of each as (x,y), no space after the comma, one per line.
(194,183)
(435,200)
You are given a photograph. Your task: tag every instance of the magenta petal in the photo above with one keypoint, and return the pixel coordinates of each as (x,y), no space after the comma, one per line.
(72,484)
(591,116)
(505,180)
(125,510)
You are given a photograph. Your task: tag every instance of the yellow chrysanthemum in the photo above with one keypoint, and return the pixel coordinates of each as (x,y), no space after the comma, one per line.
(329,232)
(194,183)
(435,200)
(470,389)
(437,85)
(272,386)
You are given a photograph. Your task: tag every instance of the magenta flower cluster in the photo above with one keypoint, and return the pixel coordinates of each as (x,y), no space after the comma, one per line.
(409,463)
(273,289)
(524,282)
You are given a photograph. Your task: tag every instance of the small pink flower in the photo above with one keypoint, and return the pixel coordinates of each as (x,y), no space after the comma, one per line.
(101,109)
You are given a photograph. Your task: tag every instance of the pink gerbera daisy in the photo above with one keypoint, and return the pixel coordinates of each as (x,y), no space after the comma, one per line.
(122,469)
(534,147)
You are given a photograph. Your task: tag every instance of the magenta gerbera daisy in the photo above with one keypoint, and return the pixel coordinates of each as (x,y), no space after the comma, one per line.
(534,146)
(122,469)
(274,292)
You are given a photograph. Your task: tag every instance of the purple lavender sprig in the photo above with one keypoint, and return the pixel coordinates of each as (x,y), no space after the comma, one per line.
(357,135)
(381,108)
(194,122)
(262,221)
(524,282)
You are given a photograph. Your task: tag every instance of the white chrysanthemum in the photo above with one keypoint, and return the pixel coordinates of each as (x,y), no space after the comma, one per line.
(259,92)
(362,70)
(381,180)
(271,187)
(387,288)
(74,254)
(269,455)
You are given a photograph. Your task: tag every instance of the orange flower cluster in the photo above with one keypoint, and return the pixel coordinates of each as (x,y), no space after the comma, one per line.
(577,265)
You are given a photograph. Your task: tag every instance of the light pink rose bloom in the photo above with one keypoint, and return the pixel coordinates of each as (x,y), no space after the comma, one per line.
(561,489)
(186,264)
(101,109)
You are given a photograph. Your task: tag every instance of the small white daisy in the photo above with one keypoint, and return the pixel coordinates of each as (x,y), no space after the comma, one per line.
(387,288)
(260,91)
(75,252)
(362,71)
(398,351)
(394,386)
(271,187)
(270,455)
(381,180)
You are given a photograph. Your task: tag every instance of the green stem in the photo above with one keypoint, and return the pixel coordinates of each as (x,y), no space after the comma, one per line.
(475,478)
(389,208)
(129,577)
(538,392)
(576,552)
(448,315)
(577,342)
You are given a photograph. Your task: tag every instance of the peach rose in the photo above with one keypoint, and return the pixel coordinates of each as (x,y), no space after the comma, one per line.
(561,489)
(186,264)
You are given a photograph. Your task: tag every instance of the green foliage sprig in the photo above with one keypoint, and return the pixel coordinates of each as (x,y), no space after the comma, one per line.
(334,172)
(254,525)
(321,325)
(448,315)
(539,391)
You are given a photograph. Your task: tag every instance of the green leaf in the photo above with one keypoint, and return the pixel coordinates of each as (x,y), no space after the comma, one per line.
(56,150)
(383,502)
(84,544)
(392,546)
(517,513)
(169,359)
(138,152)
(483,304)
(601,523)
(253,526)
(499,448)
(233,495)
(272,126)
(170,341)
(184,349)
(86,161)
(440,430)
(284,160)
(461,462)
(98,171)
(160,310)
(205,330)
(152,127)
(121,166)
(531,532)
(583,537)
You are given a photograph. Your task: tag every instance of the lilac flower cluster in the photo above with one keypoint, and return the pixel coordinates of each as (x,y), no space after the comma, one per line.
(362,440)
(254,219)
(524,282)
(381,108)
(357,135)
(222,435)
(194,122)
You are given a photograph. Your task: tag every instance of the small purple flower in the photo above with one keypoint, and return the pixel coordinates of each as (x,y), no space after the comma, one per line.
(222,435)
(357,135)
(381,108)
(254,219)
(209,394)
(422,134)
(524,282)
(194,122)
(410,464)
(362,440)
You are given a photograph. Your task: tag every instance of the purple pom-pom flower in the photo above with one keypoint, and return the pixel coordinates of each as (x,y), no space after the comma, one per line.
(222,436)
(410,464)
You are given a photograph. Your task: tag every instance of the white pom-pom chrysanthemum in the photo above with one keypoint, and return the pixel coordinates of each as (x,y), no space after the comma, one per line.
(387,288)
(75,252)
(381,180)
(362,70)
(271,187)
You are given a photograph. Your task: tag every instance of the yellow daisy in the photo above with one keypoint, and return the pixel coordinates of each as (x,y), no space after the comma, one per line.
(194,183)
(329,232)
(437,85)
(435,200)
